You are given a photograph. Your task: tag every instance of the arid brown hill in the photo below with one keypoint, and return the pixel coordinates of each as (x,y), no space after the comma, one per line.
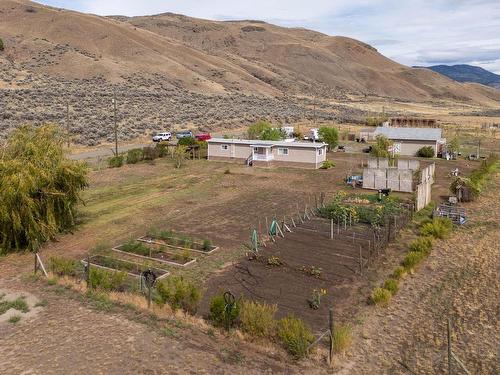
(174,70)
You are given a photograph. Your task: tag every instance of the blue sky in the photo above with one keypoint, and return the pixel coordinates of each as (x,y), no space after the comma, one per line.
(418,32)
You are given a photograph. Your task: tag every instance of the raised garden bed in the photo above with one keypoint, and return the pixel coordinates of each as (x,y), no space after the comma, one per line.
(178,241)
(131,268)
(156,253)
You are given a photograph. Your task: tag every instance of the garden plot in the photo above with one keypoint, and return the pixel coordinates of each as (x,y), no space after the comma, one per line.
(131,268)
(179,241)
(158,253)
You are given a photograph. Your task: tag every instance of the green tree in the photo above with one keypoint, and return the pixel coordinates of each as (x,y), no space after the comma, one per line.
(454,145)
(1,45)
(255,130)
(40,187)
(381,147)
(187,141)
(272,134)
(329,135)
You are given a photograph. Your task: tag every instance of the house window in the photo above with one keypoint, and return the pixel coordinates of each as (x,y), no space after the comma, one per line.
(282,151)
(320,151)
(224,147)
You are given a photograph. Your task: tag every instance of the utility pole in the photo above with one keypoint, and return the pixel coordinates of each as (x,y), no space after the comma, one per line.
(478,148)
(116,124)
(68,133)
(314,110)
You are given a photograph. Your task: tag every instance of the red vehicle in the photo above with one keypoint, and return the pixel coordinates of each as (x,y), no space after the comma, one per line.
(203,137)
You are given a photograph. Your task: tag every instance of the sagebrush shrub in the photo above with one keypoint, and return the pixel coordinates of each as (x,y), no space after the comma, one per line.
(426,152)
(179,294)
(381,297)
(150,153)
(222,316)
(295,336)
(412,259)
(421,244)
(115,161)
(106,280)
(134,156)
(391,285)
(257,319)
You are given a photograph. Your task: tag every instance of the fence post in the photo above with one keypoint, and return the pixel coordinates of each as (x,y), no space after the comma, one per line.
(360,261)
(331,229)
(88,273)
(330,327)
(449,347)
(36,264)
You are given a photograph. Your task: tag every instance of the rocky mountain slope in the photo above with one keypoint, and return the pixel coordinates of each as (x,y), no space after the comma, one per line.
(172,71)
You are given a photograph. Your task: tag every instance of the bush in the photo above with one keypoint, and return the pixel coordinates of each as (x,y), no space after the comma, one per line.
(179,294)
(381,148)
(380,297)
(136,247)
(106,280)
(63,267)
(391,285)
(327,164)
(162,149)
(426,152)
(438,228)
(421,244)
(134,156)
(187,141)
(399,273)
(1,45)
(412,259)
(207,245)
(150,153)
(257,319)
(221,316)
(294,335)
(115,161)
(342,338)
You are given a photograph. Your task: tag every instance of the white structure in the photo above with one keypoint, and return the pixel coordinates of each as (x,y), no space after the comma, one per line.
(407,141)
(268,153)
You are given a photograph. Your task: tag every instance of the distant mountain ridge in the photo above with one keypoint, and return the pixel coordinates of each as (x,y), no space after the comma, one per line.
(467,73)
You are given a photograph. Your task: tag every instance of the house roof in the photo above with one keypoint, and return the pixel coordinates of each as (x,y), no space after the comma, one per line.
(257,143)
(416,134)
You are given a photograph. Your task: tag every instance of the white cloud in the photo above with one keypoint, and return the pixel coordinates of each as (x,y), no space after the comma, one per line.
(418,32)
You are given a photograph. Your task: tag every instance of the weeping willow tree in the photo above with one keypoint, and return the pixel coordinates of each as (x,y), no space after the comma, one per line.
(39,187)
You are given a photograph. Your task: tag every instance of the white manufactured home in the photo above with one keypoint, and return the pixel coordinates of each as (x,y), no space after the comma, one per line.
(268,153)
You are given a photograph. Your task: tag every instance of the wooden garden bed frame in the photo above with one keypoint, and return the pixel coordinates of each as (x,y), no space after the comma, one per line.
(164,275)
(157,241)
(172,263)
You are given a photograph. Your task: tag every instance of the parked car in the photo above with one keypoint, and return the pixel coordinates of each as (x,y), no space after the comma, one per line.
(165,136)
(184,134)
(203,137)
